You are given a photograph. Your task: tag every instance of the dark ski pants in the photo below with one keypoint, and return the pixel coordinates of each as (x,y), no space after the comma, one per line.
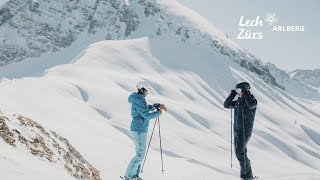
(241,153)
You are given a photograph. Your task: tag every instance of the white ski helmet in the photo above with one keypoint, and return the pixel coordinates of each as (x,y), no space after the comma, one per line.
(144,87)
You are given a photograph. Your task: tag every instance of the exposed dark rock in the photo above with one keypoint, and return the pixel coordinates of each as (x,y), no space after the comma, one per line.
(46,144)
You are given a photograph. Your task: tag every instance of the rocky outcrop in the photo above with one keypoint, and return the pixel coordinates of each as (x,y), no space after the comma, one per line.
(22,132)
(11,8)
(49,26)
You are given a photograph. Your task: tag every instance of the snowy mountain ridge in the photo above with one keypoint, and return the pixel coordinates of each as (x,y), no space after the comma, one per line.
(53,26)
(86,101)
(53,32)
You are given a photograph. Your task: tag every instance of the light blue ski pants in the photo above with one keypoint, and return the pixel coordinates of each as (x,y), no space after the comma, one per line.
(134,167)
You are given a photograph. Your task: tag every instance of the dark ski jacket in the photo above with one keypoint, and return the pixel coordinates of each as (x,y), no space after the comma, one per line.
(244,108)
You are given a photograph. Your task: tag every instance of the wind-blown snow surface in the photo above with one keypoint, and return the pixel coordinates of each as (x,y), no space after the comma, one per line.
(86,102)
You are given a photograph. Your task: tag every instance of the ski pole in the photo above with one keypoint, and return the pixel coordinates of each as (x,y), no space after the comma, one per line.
(231,139)
(148,146)
(160,145)
(244,149)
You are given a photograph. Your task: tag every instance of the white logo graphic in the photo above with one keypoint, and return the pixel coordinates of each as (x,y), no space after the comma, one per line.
(250,28)
(271,18)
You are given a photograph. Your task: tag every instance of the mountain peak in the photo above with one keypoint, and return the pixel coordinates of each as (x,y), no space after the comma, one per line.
(57,27)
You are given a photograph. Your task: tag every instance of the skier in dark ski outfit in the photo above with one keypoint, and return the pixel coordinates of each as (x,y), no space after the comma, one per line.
(244,113)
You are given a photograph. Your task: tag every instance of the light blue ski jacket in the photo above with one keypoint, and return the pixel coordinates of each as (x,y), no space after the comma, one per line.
(141,112)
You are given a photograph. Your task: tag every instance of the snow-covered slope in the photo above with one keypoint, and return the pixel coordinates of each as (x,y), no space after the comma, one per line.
(86,101)
(310,77)
(303,85)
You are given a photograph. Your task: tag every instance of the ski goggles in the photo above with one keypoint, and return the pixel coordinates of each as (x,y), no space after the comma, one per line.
(238,90)
(146,91)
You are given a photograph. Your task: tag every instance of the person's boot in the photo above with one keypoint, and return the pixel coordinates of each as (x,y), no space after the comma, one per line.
(135,178)
(250,178)
(138,178)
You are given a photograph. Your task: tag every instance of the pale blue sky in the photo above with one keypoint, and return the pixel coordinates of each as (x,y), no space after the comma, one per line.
(288,50)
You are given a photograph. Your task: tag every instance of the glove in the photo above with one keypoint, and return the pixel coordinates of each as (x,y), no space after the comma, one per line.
(233,93)
(162,107)
(158,106)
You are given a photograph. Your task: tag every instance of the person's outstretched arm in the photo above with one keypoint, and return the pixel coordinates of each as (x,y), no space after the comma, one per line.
(143,110)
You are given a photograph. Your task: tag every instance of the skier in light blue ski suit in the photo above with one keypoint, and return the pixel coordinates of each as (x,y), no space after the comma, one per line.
(141,114)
